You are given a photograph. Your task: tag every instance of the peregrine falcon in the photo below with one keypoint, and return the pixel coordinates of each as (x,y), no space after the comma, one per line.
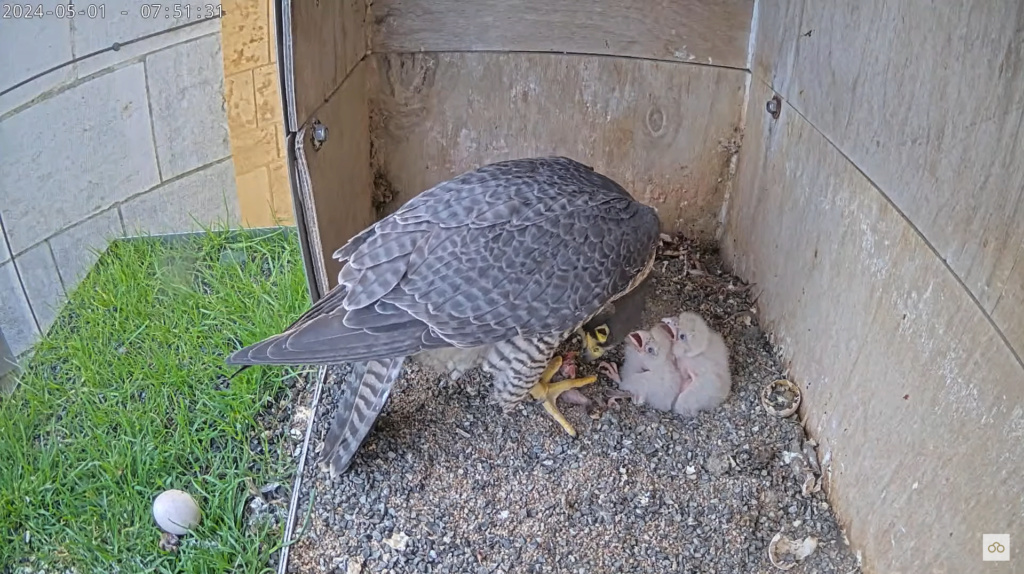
(495,268)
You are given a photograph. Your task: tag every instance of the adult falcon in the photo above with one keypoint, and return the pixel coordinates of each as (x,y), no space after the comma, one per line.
(495,267)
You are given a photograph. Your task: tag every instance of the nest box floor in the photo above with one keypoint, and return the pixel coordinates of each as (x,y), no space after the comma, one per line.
(446,482)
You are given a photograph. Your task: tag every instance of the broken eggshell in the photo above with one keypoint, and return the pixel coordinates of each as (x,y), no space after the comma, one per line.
(785,553)
(780,398)
(175,511)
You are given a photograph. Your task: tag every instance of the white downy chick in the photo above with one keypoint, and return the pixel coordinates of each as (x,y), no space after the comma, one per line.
(648,373)
(703,358)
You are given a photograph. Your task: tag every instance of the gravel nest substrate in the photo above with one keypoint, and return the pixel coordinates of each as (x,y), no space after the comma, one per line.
(447,482)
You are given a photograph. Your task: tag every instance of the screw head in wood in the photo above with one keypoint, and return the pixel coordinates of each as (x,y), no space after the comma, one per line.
(319,134)
(774,106)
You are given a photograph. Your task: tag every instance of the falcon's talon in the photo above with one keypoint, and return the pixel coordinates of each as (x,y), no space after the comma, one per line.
(548,392)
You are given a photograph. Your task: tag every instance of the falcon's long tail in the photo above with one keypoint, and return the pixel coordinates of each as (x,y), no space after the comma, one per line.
(365,394)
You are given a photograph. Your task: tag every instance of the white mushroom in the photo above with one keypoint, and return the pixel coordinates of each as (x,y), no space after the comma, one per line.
(175,511)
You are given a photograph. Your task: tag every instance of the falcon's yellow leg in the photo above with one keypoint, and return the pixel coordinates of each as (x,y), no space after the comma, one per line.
(548,392)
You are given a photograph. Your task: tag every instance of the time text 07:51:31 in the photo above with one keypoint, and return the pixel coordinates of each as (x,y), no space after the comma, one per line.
(147,11)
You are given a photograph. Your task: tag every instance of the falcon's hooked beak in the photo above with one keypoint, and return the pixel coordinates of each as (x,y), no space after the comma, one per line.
(595,342)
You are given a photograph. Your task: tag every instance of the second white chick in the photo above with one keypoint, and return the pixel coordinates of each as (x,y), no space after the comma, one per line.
(703,359)
(649,372)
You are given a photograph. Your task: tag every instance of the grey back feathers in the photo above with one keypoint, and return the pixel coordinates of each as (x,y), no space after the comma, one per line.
(518,248)
(502,260)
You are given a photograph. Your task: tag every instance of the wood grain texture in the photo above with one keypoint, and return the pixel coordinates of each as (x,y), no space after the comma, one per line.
(700,31)
(322,43)
(335,182)
(778,30)
(930,105)
(906,383)
(660,129)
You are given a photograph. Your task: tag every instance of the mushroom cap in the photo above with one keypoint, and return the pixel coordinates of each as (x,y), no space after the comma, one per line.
(175,511)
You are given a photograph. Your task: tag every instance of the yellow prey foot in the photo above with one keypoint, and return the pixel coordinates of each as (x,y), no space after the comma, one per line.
(548,392)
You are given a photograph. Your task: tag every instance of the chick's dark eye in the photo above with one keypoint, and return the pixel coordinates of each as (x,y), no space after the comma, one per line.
(682,336)
(650,349)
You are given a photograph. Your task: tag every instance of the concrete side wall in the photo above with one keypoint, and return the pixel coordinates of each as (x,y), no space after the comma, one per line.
(111,124)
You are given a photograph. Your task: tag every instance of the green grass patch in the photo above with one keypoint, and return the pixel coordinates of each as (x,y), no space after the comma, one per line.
(127,396)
